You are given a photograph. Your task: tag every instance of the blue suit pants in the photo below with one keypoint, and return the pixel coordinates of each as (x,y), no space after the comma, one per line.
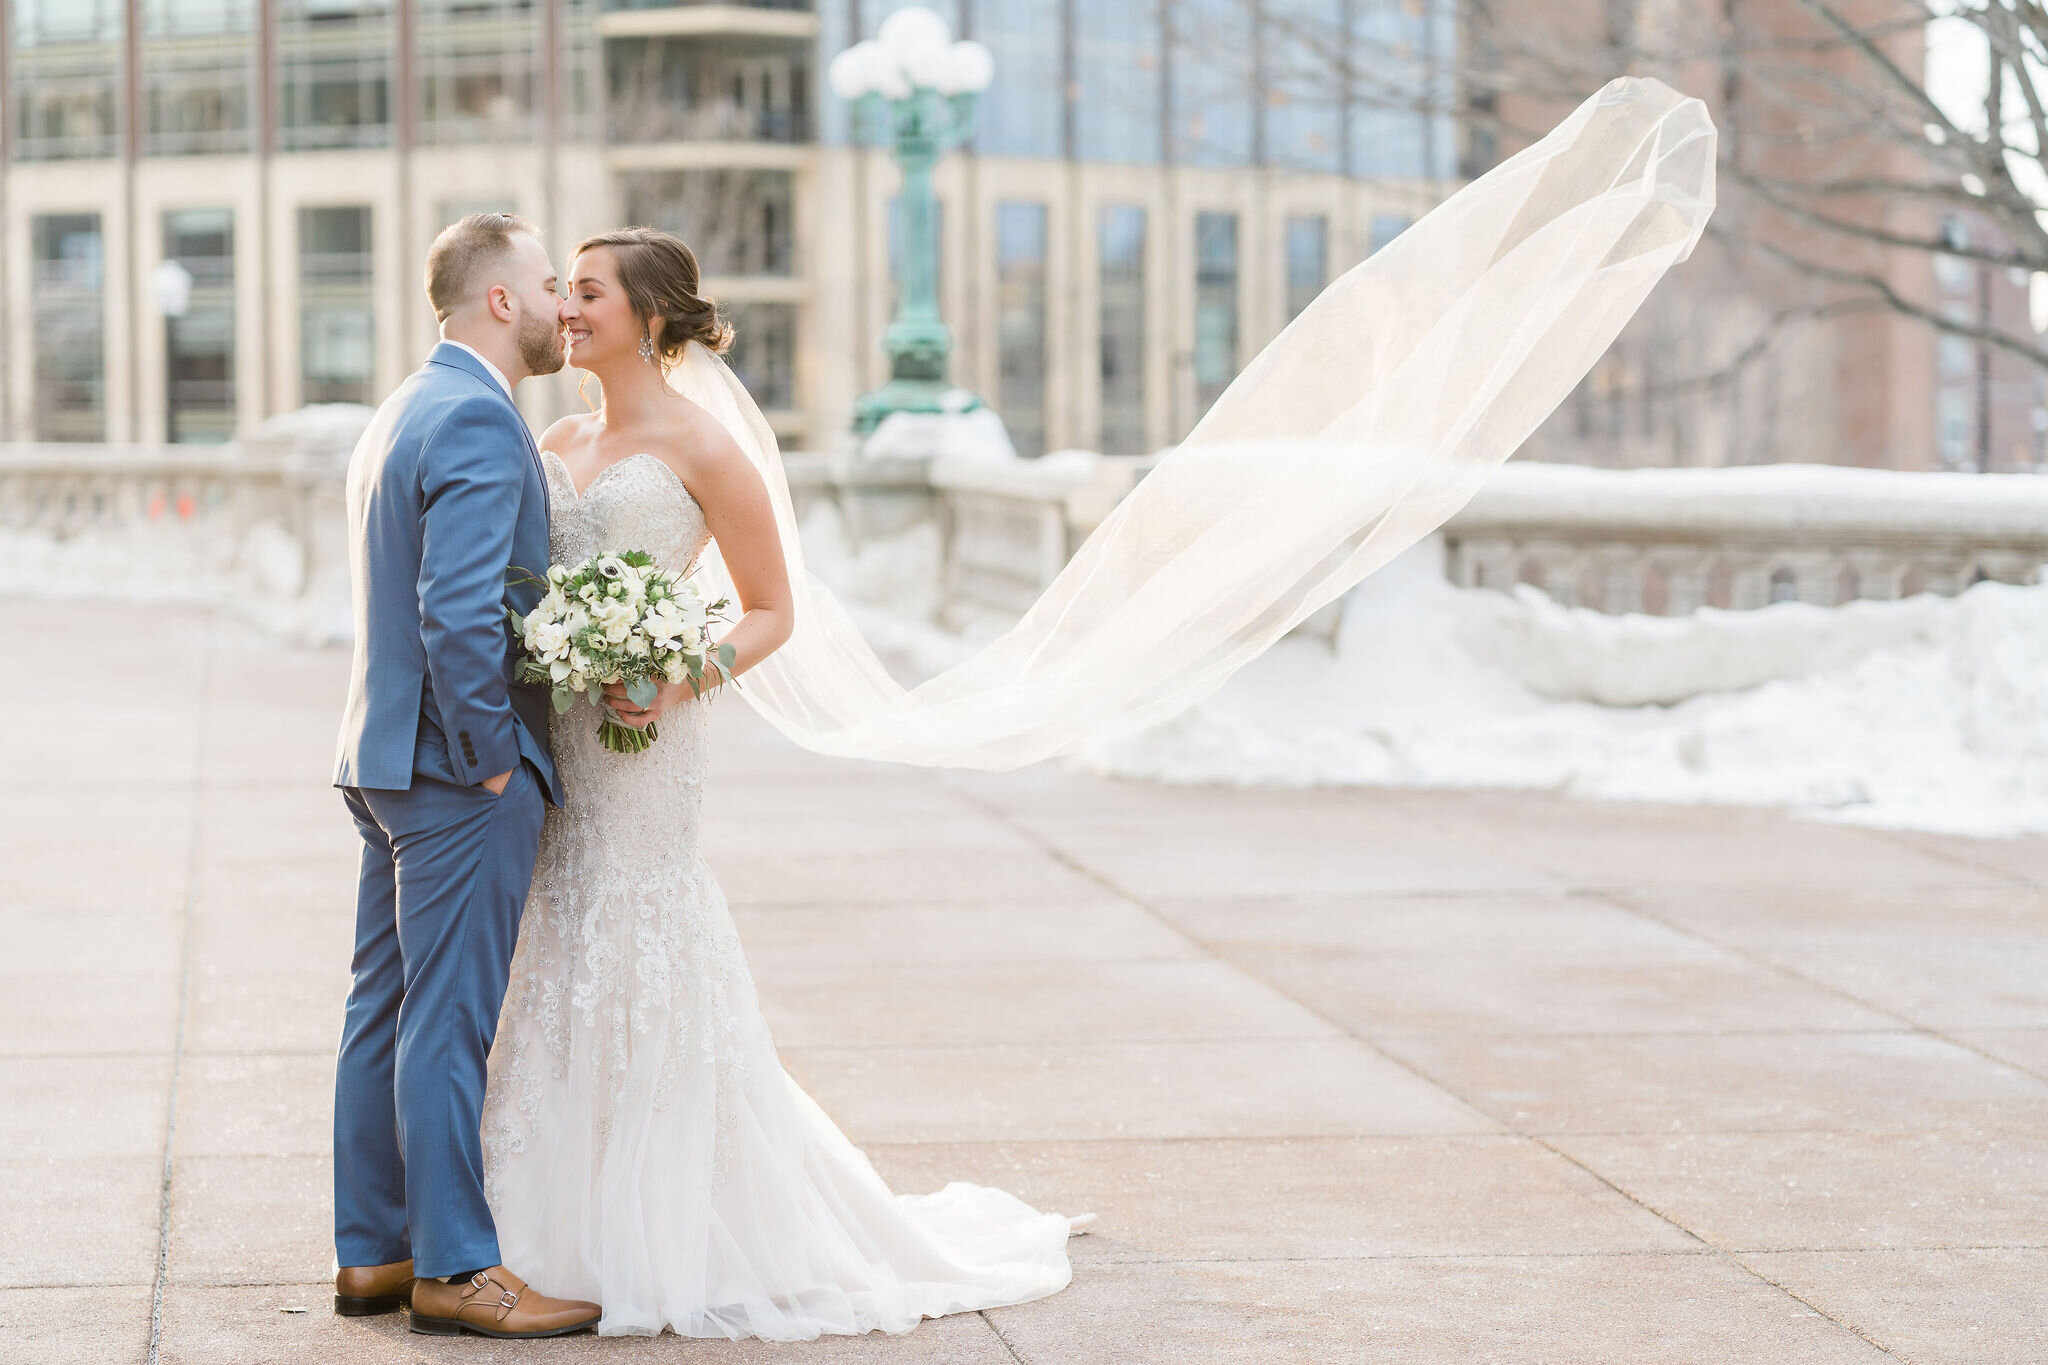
(445,872)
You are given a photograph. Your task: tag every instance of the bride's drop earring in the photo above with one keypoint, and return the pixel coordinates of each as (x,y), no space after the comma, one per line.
(646,349)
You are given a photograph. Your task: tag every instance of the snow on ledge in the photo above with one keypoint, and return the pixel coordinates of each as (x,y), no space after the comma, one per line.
(1760,501)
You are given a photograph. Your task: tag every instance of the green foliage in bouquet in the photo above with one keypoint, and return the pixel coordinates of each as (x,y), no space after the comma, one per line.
(618,618)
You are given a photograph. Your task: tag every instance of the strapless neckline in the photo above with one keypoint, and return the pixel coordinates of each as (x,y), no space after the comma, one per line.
(581,493)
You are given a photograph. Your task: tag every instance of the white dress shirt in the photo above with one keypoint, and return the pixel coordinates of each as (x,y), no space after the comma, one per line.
(496,373)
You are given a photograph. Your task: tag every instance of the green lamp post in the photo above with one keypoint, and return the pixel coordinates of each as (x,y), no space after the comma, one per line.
(929,86)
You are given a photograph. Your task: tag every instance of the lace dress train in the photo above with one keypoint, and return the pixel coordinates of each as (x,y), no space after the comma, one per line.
(643,1146)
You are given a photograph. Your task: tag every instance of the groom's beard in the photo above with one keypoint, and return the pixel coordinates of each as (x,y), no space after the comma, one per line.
(540,344)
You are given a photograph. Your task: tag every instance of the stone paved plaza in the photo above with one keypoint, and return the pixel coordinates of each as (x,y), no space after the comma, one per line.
(1368,1076)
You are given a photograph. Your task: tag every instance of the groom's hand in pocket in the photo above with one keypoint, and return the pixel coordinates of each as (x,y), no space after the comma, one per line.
(496,785)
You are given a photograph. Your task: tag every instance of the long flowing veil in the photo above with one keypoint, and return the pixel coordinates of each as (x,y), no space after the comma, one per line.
(1360,429)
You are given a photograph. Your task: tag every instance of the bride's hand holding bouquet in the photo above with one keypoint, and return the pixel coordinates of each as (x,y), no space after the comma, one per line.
(624,634)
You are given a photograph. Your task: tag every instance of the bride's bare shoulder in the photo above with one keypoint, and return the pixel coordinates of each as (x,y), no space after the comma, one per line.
(567,433)
(696,445)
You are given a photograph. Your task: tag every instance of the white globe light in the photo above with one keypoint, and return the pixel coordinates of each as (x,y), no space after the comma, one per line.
(927,66)
(171,283)
(912,32)
(848,74)
(885,73)
(967,69)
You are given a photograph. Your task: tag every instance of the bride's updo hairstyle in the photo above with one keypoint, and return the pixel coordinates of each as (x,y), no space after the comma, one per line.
(660,276)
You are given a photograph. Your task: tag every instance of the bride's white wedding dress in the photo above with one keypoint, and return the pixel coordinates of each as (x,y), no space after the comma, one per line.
(643,1146)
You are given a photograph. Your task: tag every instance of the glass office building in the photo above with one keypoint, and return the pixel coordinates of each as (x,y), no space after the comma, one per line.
(1155,188)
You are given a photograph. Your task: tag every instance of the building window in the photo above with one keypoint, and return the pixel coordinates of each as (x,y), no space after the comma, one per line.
(736,221)
(1307,57)
(1215,306)
(1024,112)
(1955,425)
(1120,244)
(449,212)
(1214,87)
(198,72)
(70,345)
(763,352)
(1385,228)
(65,74)
(1308,260)
(1020,323)
(1117,104)
(334,73)
(477,70)
(709,90)
(337,316)
(1400,127)
(199,345)
(1957,355)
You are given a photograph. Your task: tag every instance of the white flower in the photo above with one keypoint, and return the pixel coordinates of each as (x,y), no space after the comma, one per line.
(616,620)
(548,640)
(664,624)
(557,575)
(692,608)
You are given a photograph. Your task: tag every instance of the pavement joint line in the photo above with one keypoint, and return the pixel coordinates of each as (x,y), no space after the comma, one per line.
(1008,1345)
(1696,1253)
(973,1045)
(1367,1257)
(1908,1023)
(1110,884)
(163,1234)
(1924,845)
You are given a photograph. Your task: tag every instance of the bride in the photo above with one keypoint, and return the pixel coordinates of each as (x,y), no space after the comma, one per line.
(643,1146)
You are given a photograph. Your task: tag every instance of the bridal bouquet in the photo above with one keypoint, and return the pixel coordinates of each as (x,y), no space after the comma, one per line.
(618,618)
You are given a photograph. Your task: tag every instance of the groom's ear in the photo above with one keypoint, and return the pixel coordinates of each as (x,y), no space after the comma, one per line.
(498,299)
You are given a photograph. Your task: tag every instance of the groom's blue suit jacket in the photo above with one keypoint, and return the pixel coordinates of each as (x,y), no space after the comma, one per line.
(447,505)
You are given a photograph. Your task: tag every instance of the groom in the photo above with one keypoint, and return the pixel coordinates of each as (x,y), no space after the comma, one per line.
(444,763)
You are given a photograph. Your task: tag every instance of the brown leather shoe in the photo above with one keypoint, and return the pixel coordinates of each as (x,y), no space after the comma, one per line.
(496,1303)
(362,1291)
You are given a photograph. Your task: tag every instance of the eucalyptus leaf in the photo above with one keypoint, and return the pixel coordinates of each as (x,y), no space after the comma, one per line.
(564,699)
(642,691)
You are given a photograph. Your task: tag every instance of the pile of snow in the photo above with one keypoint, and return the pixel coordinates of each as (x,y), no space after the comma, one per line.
(1931,713)
(1752,499)
(974,433)
(259,576)
(890,588)
(322,431)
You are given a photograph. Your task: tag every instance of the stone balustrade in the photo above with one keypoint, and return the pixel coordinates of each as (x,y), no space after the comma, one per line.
(1007,527)
(169,510)
(1657,541)
(1665,541)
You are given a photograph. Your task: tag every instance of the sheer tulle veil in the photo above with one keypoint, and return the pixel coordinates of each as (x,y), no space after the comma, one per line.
(1360,429)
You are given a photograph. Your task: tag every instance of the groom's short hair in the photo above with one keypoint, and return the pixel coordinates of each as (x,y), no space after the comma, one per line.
(464,251)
